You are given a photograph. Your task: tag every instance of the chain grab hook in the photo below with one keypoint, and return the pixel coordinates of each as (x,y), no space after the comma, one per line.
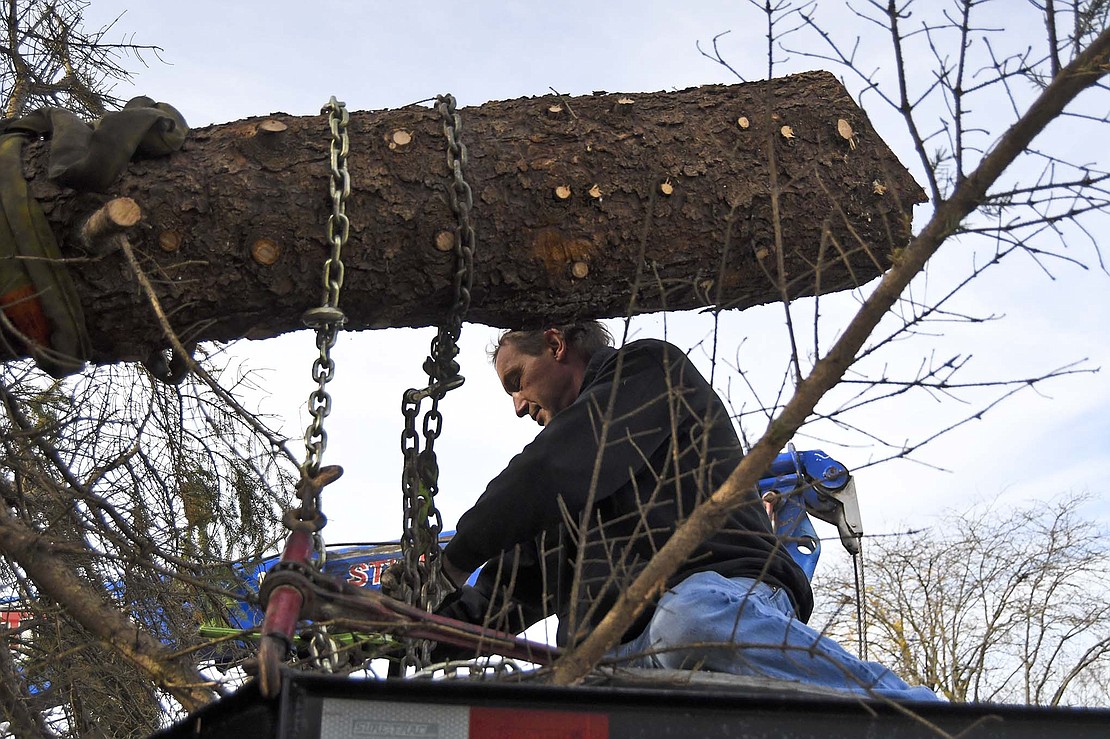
(423,584)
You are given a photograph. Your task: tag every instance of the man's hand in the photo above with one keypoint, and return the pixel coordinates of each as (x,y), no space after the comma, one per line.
(391,581)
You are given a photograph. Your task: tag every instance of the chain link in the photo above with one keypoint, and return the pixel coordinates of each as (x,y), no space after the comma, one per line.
(461,199)
(323,649)
(339,226)
(475,669)
(423,583)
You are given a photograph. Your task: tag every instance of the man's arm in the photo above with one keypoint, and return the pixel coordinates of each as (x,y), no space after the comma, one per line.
(457,575)
(508,594)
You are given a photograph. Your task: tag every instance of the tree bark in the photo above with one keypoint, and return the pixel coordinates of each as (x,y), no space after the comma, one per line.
(587,207)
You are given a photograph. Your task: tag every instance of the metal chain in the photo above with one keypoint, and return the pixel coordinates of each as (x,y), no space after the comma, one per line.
(327,320)
(861,605)
(323,650)
(491,666)
(461,199)
(422,583)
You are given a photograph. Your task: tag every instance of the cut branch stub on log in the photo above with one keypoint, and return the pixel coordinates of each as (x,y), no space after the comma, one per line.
(666,196)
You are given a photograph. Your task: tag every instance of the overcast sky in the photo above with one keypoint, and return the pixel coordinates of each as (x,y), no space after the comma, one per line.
(222,61)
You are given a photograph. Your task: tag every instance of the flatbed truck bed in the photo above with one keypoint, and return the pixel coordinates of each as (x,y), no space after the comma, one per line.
(626,705)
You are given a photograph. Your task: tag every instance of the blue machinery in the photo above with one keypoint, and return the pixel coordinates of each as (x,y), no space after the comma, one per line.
(811,482)
(798,484)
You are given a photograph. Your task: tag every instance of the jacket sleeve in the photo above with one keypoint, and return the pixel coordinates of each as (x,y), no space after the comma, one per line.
(607,435)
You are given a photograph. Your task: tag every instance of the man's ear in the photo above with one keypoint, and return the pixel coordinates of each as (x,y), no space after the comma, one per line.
(556,342)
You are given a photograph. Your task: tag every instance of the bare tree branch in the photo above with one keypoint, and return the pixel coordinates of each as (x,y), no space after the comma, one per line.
(180,679)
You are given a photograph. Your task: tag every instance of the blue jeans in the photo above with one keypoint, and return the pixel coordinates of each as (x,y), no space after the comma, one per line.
(744,627)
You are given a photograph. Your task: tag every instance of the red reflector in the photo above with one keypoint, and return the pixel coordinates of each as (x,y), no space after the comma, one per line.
(514,723)
(12,619)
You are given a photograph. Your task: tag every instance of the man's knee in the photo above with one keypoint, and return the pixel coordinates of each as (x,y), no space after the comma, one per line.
(705,608)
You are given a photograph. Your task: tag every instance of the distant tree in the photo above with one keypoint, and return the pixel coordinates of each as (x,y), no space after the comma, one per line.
(988,604)
(48,57)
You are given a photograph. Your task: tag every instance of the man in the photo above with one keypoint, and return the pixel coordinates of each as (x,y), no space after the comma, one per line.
(632,441)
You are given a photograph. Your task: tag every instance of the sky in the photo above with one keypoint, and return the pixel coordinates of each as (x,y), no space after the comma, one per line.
(222,61)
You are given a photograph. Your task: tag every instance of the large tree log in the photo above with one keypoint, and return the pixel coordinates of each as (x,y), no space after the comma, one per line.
(681,213)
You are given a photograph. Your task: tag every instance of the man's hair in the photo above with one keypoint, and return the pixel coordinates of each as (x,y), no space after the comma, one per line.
(583,336)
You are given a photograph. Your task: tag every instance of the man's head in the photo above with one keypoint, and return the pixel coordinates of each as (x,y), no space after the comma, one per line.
(543,369)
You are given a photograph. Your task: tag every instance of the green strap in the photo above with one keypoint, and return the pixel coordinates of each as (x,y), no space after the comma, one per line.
(84,158)
(91,159)
(29,255)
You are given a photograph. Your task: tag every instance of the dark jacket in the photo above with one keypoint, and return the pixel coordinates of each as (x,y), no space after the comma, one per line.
(667,443)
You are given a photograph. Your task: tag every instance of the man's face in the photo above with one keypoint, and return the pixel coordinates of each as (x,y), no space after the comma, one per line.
(541,385)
